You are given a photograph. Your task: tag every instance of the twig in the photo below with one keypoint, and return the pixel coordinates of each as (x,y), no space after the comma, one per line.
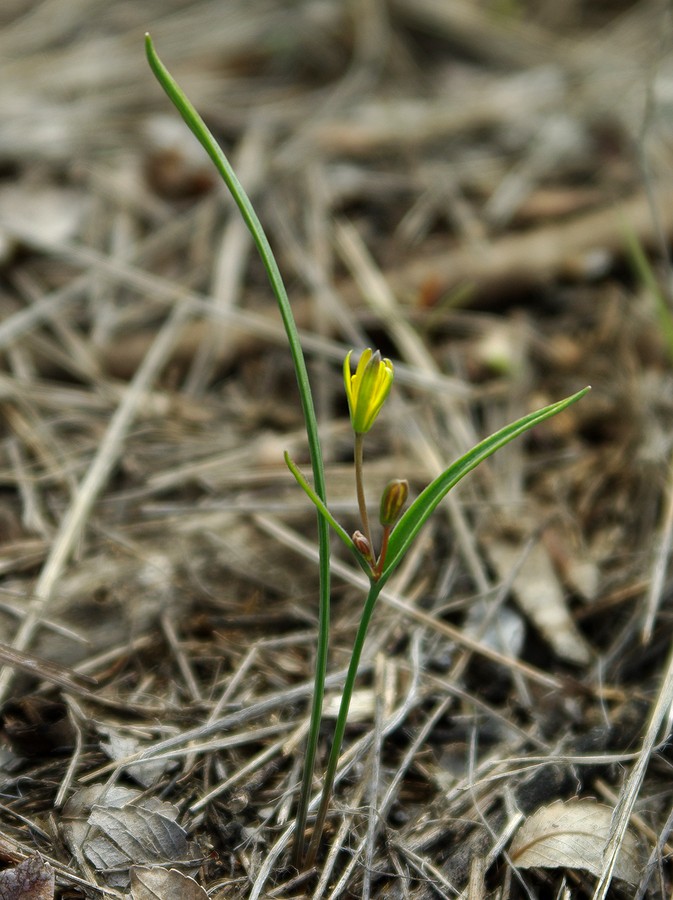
(168,629)
(76,715)
(110,449)
(381,678)
(659,564)
(632,785)
(342,835)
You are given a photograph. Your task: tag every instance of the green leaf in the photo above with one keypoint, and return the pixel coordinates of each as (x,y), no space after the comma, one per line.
(326,514)
(319,505)
(223,166)
(645,272)
(425,504)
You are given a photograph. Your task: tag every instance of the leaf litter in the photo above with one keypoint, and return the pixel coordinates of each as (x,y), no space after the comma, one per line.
(32,879)
(155,883)
(573,835)
(446,182)
(117,828)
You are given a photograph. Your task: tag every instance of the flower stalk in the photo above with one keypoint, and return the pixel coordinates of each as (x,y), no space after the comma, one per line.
(360,489)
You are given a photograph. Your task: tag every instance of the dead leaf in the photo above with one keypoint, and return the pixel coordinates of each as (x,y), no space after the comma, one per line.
(33,879)
(120,827)
(118,746)
(363,705)
(540,596)
(504,632)
(573,835)
(573,563)
(155,883)
(49,213)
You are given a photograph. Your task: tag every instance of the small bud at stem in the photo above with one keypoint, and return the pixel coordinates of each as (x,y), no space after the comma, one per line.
(392,501)
(362,545)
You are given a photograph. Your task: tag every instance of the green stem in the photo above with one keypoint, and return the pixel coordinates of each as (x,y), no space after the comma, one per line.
(360,488)
(340,726)
(210,145)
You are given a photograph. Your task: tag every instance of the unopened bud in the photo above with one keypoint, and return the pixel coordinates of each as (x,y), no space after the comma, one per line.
(367,389)
(362,544)
(392,501)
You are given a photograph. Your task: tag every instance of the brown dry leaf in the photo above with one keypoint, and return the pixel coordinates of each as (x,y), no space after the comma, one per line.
(120,827)
(155,883)
(573,835)
(363,703)
(540,596)
(50,213)
(574,565)
(118,747)
(33,879)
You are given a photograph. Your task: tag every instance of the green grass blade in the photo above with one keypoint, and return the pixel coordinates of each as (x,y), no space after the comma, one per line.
(212,148)
(424,505)
(223,166)
(644,271)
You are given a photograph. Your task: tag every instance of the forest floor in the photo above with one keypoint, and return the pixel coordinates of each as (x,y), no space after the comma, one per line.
(481,190)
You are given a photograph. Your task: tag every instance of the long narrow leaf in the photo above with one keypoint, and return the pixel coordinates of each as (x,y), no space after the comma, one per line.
(326,514)
(424,505)
(223,166)
(317,502)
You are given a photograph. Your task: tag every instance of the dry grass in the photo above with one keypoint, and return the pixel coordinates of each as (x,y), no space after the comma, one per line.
(449,182)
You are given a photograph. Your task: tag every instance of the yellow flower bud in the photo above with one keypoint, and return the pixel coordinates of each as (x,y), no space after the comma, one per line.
(392,501)
(367,389)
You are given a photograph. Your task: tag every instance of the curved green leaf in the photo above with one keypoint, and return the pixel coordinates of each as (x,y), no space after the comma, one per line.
(319,505)
(427,501)
(326,514)
(223,166)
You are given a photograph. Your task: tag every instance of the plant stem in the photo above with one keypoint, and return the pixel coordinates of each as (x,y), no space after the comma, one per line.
(360,489)
(384,549)
(340,726)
